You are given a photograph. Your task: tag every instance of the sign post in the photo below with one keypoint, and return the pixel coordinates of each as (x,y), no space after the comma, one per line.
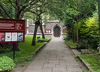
(14,46)
(12,31)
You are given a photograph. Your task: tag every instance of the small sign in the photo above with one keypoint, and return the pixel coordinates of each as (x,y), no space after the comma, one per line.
(2,37)
(12,30)
(8,36)
(20,36)
(48,30)
(14,36)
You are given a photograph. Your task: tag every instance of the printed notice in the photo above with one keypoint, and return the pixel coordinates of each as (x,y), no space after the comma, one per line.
(2,37)
(6,26)
(14,36)
(7,36)
(20,36)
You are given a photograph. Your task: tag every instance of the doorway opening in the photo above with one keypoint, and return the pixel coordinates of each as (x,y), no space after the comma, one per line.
(57,31)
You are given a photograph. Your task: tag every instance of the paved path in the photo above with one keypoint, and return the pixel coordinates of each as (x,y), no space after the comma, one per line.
(55,57)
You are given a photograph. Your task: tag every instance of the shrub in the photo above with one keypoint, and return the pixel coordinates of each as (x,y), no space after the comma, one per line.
(88,30)
(5,47)
(6,63)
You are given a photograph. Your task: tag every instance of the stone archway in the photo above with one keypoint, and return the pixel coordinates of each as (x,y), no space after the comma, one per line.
(57,31)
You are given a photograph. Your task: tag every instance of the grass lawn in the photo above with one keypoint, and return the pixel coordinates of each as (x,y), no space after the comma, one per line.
(70,43)
(93,60)
(27,45)
(25,49)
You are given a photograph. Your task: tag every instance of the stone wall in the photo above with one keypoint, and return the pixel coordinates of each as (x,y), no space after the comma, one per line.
(48,25)
(51,24)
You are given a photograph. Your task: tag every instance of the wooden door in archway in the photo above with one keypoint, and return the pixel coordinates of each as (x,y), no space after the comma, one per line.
(57,31)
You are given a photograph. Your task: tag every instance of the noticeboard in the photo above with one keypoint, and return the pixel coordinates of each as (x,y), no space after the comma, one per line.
(48,31)
(12,30)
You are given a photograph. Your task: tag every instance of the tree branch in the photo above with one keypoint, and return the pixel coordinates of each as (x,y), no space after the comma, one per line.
(32,12)
(41,12)
(33,3)
(27,0)
(23,7)
(17,5)
(5,10)
(12,4)
(2,14)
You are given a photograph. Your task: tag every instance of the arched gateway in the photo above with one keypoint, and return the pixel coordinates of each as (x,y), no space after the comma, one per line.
(57,31)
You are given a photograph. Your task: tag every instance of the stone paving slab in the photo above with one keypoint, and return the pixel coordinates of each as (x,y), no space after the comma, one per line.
(55,57)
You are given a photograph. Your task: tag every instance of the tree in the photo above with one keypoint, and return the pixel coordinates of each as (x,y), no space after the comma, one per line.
(79,9)
(22,6)
(83,9)
(41,7)
(19,7)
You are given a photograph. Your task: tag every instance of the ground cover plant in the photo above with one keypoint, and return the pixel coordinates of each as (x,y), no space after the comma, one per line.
(70,43)
(93,60)
(26,49)
(6,63)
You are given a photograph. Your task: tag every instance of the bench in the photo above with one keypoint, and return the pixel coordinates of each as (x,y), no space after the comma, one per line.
(41,40)
(83,46)
(38,37)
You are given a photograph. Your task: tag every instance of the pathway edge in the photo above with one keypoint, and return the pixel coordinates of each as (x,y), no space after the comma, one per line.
(85,64)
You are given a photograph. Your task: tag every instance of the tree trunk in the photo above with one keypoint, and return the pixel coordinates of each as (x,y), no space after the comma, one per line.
(73,33)
(77,34)
(43,36)
(34,35)
(17,17)
(17,14)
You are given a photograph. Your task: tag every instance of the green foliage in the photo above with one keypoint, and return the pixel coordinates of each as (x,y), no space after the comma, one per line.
(6,63)
(93,60)
(88,30)
(77,11)
(26,49)
(9,8)
(70,43)
(27,45)
(18,60)
(86,71)
(5,47)
(23,65)
(69,26)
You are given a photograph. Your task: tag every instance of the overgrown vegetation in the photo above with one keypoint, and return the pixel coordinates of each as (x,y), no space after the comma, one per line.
(93,60)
